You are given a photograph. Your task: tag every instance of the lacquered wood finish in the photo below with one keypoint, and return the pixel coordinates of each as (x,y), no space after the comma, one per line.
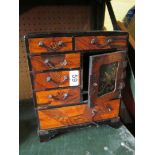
(96,63)
(78,114)
(100,42)
(56,79)
(58,97)
(55,65)
(51,44)
(61,61)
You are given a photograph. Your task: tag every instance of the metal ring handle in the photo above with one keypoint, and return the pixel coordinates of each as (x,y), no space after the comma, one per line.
(49,79)
(50,64)
(94,41)
(62,96)
(53,46)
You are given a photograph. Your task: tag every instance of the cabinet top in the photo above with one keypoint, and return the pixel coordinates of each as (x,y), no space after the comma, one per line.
(96,32)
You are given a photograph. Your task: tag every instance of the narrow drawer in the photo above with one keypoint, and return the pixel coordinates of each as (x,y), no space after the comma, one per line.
(100,42)
(60,61)
(52,44)
(58,97)
(78,114)
(56,79)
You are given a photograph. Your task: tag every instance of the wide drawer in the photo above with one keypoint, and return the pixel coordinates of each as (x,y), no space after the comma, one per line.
(56,79)
(60,61)
(52,44)
(100,42)
(78,114)
(58,97)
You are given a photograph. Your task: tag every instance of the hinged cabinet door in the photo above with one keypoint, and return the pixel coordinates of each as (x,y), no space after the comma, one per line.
(106,74)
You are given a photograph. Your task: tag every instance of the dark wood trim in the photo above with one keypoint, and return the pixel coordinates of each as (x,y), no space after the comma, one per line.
(128,100)
(42,107)
(81,76)
(100,14)
(127,94)
(56,88)
(73,34)
(54,70)
(70,34)
(75,52)
(73,43)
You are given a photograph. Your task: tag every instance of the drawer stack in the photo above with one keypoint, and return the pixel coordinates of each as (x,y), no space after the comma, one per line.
(53,74)
(56,69)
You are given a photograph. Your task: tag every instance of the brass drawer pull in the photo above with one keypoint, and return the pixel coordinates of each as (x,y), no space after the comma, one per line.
(46,61)
(49,63)
(53,46)
(57,45)
(94,41)
(109,109)
(41,44)
(49,79)
(60,43)
(64,63)
(52,65)
(59,96)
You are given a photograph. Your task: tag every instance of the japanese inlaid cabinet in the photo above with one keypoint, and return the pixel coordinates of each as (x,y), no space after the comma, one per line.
(77,78)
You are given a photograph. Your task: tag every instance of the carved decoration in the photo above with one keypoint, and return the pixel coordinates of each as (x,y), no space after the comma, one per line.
(107,78)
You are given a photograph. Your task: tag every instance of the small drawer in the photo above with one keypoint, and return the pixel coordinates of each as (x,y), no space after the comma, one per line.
(56,79)
(58,97)
(53,44)
(100,42)
(60,61)
(77,114)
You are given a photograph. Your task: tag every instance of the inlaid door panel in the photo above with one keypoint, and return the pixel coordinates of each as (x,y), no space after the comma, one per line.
(106,76)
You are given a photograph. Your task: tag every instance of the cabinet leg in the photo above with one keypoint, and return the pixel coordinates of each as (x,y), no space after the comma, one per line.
(115,122)
(46,135)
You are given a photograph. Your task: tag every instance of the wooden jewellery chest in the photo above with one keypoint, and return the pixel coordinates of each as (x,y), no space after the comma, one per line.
(76,78)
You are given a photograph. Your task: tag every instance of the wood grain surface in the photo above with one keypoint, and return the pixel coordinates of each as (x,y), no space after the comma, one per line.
(52,80)
(58,97)
(100,42)
(61,61)
(79,114)
(51,44)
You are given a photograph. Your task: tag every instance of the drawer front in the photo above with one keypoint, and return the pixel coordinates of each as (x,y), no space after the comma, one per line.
(60,61)
(52,44)
(56,79)
(78,114)
(100,42)
(58,97)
